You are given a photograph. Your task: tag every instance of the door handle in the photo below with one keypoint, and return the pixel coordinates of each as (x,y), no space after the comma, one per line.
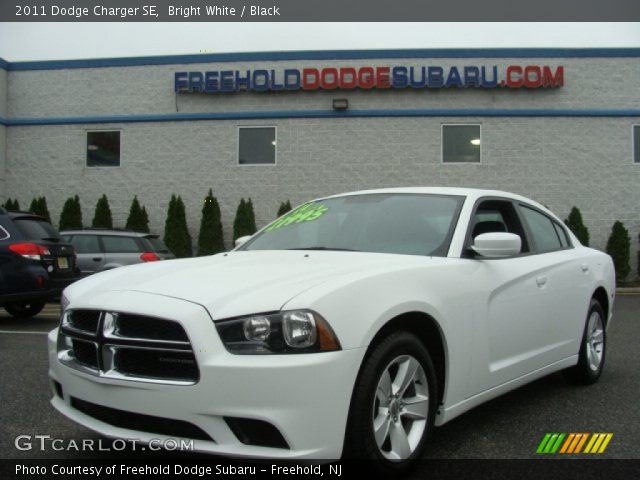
(97,259)
(584,267)
(541,280)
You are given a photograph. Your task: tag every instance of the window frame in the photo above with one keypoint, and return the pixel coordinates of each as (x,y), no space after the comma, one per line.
(442,125)
(104,130)
(633,144)
(275,153)
(468,253)
(4,234)
(533,244)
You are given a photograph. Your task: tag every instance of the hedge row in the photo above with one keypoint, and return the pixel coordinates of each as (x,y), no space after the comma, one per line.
(176,232)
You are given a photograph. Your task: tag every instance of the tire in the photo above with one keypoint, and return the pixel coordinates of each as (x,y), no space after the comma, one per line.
(592,348)
(24,309)
(377,401)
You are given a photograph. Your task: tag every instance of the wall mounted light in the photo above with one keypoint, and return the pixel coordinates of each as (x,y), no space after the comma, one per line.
(475,141)
(340,103)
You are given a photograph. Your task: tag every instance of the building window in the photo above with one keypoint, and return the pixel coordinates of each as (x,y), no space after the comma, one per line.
(256,145)
(461,143)
(103,148)
(636,143)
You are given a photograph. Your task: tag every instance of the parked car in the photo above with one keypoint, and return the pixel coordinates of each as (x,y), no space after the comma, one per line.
(35,265)
(100,249)
(350,326)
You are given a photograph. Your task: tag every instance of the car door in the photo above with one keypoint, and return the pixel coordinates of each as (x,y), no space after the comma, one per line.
(510,335)
(90,256)
(565,283)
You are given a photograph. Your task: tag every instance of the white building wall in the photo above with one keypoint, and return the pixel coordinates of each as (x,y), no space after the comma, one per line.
(560,161)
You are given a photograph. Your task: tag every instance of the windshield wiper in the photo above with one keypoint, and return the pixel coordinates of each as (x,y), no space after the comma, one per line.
(325,248)
(51,239)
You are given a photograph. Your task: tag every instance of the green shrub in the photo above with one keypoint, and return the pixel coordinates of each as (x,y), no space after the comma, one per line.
(71,216)
(145,219)
(245,221)
(39,207)
(619,247)
(176,233)
(210,239)
(138,221)
(575,224)
(102,217)
(284,208)
(12,205)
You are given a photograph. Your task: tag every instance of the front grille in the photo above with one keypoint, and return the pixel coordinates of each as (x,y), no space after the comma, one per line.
(127,347)
(85,352)
(144,363)
(142,423)
(84,321)
(148,328)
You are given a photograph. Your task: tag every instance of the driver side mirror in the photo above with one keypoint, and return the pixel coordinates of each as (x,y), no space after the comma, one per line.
(497,244)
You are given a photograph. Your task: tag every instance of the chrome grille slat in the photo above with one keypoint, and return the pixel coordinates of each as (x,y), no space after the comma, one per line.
(158,352)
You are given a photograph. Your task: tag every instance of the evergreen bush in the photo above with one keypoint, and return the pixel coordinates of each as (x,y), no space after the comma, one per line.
(619,247)
(284,208)
(210,239)
(71,216)
(576,225)
(102,216)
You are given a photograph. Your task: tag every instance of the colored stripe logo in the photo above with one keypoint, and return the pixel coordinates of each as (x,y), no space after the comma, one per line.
(574,443)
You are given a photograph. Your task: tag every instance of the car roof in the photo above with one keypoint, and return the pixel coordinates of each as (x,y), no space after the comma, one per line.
(101,231)
(471,193)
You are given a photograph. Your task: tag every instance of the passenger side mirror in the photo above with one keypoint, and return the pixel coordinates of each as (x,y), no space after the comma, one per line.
(242,240)
(497,244)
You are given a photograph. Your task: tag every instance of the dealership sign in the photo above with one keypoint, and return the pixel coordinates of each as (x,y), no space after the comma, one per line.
(367,78)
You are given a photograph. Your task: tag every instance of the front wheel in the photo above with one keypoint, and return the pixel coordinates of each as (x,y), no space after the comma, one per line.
(393,405)
(592,349)
(24,309)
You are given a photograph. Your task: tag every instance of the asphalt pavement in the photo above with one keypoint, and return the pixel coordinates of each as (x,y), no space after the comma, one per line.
(511,426)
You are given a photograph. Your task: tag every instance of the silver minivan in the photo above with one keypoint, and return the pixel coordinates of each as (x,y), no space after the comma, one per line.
(99,249)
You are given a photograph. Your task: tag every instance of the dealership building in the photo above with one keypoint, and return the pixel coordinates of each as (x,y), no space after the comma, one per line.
(561,126)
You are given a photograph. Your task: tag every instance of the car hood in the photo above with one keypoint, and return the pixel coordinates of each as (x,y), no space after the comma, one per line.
(237,283)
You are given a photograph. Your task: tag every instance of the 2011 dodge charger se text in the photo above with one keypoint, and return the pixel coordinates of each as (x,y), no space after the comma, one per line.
(350,326)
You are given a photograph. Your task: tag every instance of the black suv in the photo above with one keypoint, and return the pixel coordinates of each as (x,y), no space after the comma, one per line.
(34,264)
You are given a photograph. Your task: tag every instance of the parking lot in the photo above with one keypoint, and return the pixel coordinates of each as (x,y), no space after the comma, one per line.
(511,426)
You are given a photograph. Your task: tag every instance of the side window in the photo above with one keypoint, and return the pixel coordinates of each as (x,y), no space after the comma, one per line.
(120,245)
(85,243)
(562,234)
(496,216)
(542,230)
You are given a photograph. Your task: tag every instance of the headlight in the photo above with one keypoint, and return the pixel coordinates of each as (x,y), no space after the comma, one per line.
(294,331)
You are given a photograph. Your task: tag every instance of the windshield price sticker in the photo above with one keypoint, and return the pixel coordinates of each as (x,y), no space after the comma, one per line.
(305,213)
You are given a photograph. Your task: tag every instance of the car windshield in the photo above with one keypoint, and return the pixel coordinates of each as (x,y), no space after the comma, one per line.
(410,224)
(34,229)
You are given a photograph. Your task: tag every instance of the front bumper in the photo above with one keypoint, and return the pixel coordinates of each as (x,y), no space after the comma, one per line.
(305,396)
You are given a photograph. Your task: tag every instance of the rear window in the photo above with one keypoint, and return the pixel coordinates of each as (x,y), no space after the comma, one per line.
(120,245)
(34,229)
(157,245)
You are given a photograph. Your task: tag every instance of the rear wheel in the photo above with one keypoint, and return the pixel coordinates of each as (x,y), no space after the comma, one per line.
(393,405)
(24,309)
(592,349)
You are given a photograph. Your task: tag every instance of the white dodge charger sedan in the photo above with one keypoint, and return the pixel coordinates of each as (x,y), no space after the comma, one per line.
(350,326)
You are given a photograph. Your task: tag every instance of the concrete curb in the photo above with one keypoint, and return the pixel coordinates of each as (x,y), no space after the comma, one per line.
(628,291)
